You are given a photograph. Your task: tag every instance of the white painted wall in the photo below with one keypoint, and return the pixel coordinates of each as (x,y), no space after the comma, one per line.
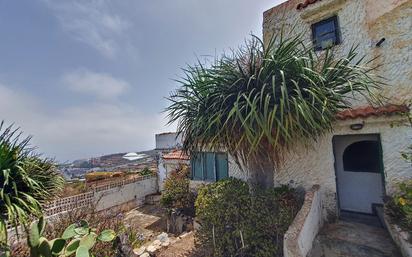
(166,167)
(107,196)
(167,141)
(362,22)
(298,240)
(136,191)
(306,167)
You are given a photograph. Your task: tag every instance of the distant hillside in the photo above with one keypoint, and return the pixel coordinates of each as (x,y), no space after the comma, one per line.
(109,162)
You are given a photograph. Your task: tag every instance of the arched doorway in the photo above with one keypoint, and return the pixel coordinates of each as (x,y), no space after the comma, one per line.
(358,166)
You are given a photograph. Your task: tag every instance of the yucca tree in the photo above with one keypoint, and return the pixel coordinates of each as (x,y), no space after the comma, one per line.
(26,181)
(260,100)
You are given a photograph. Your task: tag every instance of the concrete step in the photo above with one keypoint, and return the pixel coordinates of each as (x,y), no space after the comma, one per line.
(349,239)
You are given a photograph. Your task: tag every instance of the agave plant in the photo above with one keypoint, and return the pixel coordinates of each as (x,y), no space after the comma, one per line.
(260,100)
(26,181)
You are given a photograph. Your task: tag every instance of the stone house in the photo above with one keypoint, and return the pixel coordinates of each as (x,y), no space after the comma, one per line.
(359,162)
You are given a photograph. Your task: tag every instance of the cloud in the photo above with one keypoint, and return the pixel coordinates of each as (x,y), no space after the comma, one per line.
(102,85)
(93,22)
(81,131)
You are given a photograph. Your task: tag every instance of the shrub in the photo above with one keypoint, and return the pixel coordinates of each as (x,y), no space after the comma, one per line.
(27,181)
(145,172)
(236,222)
(101,175)
(399,207)
(176,193)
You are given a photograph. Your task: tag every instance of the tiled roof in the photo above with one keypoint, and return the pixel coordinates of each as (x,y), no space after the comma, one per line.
(176,155)
(305,4)
(367,111)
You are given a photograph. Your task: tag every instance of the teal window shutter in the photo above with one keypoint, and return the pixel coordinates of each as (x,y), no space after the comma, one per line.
(197,166)
(222,166)
(210,168)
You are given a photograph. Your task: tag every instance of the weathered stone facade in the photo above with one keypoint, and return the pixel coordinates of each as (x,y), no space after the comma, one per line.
(362,23)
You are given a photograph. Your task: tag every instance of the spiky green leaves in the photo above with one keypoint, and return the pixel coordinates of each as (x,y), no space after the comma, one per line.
(260,100)
(26,179)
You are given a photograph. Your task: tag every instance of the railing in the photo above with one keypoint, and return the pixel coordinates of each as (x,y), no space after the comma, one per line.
(86,199)
(102,192)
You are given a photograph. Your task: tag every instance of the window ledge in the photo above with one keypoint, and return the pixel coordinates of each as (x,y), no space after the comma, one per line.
(321,10)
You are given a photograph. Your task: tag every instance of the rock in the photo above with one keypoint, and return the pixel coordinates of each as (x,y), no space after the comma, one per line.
(157,242)
(145,255)
(139,251)
(123,246)
(165,244)
(184,235)
(163,237)
(152,248)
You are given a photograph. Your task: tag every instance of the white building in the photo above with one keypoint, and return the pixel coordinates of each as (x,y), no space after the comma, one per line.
(168,156)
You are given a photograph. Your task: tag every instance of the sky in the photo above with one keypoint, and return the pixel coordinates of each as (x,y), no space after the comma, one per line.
(89,77)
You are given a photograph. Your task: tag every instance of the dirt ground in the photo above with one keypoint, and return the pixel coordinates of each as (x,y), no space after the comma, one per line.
(150,222)
(183,247)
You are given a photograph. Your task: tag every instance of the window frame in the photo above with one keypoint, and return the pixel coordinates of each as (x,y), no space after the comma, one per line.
(203,163)
(338,39)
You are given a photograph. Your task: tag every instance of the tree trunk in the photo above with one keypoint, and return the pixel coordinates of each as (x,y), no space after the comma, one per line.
(261,173)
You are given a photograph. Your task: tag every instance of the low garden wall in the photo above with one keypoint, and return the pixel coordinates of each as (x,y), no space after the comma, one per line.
(131,192)
(401,238)
(118,196)
(309,220)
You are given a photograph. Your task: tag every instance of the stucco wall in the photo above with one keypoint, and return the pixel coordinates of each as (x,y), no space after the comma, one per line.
(401,238)
(166,167)
(306,167)
(362,23)
(131,192)
(167,141)
(136,192)
(299,238)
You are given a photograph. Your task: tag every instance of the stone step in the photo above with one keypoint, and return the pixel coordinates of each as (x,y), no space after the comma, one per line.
(348,239)
(327,247)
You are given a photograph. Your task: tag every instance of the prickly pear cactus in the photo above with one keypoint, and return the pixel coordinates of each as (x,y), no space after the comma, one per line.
(77,239)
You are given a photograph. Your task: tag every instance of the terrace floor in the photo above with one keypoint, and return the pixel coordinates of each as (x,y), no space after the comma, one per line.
(351,239)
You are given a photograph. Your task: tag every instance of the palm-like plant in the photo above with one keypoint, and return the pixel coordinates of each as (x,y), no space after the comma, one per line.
(261,100)
(26,180)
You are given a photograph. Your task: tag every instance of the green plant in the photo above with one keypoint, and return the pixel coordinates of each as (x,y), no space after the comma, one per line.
(263,99)
(176,193)
(399,207)
(77,239)
(26,181)
(237,222)
(145,172)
